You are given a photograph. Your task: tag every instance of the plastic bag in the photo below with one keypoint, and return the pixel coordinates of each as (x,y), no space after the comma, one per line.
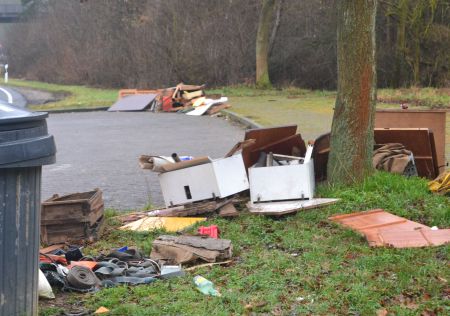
(44,288)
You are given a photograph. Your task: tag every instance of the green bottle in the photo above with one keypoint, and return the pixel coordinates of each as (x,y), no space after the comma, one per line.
(205,286)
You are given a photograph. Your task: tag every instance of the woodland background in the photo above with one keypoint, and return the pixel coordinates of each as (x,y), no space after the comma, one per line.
(157,43)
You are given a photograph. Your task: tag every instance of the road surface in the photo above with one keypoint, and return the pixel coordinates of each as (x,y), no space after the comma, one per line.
(101,149)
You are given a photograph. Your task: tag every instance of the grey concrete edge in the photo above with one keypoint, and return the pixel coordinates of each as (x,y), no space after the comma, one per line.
(248,123)
(103,108)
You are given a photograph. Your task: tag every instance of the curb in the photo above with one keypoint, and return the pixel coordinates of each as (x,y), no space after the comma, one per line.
(103,108)
(248,123)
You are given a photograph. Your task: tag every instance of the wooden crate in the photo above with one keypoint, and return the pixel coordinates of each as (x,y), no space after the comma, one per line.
(71,231)
(85,207)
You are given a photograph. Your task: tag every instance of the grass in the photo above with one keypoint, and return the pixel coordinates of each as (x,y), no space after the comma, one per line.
(78,97)
(303,264)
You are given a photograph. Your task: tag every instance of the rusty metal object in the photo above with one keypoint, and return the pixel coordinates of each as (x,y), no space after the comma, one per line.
(435,120)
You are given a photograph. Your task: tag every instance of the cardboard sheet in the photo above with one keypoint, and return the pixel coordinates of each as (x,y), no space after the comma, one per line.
(170,224)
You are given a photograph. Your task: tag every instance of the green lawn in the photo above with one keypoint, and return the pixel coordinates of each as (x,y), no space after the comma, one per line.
(302,264)
(312,111)
(78,96)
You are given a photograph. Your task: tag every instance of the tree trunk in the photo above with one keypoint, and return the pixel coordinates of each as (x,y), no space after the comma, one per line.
(352,129)
(262,44)
(400,47)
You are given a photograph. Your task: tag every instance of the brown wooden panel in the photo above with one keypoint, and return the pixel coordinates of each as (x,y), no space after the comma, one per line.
(77,207)
(71,231)
(418,141)
(435,120)
(282,147)
(263,137)
(320,154)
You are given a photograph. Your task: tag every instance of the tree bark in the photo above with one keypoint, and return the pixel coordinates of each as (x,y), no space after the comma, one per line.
(352,141)
(262,44)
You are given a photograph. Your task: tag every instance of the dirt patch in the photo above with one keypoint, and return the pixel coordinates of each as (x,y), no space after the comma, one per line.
(38,97)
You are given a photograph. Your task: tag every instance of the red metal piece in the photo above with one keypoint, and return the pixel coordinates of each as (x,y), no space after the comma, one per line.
(211,231)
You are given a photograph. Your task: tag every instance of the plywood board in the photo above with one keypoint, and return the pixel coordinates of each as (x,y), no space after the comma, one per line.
(435,120)
(415,238)
(137,102)
(419,141)
(264,137)
(282,208)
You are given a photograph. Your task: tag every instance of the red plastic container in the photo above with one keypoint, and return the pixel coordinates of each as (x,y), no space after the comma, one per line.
(211,231)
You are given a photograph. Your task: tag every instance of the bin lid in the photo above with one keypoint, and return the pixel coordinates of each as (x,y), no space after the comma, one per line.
(13,114)
(24,139)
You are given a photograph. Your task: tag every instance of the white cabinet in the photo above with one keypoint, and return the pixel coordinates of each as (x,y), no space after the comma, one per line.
(279,183)
(218,179)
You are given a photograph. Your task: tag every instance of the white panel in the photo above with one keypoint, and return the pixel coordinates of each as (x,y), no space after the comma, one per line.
(230,174)
(200,179)
(282,182)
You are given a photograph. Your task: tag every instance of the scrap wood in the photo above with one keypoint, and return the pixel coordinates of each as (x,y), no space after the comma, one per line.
(196,208)
(131,217)
(414,238)
(51,248)
(135,102)
(208,103)
(218,108)
(282,208)
(208,265)
(264,137)
(385,229)
(198,101)
(240,146)
(192,95)
(170,224)
(185,164)
(183,249)
(228,210)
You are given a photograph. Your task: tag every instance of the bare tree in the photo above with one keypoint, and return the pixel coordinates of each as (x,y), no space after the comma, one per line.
(352,128)
(263,44)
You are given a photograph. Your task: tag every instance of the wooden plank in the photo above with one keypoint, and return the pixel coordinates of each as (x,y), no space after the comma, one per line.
(263,137)
(435,120)
(288,207)
(418,141)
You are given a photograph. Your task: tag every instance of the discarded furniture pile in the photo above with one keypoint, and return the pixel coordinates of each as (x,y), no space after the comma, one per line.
(271,172)
(187,99)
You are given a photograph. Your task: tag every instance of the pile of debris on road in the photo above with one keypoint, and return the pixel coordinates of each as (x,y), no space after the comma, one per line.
(187,99)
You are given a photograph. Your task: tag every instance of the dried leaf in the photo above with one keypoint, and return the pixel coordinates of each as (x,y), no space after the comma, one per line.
(382,312)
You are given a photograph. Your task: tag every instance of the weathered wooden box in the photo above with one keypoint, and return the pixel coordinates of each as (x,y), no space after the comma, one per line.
(72,217)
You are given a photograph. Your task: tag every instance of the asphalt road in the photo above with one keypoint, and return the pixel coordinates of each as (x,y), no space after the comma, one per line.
(101,149)
(11,96)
